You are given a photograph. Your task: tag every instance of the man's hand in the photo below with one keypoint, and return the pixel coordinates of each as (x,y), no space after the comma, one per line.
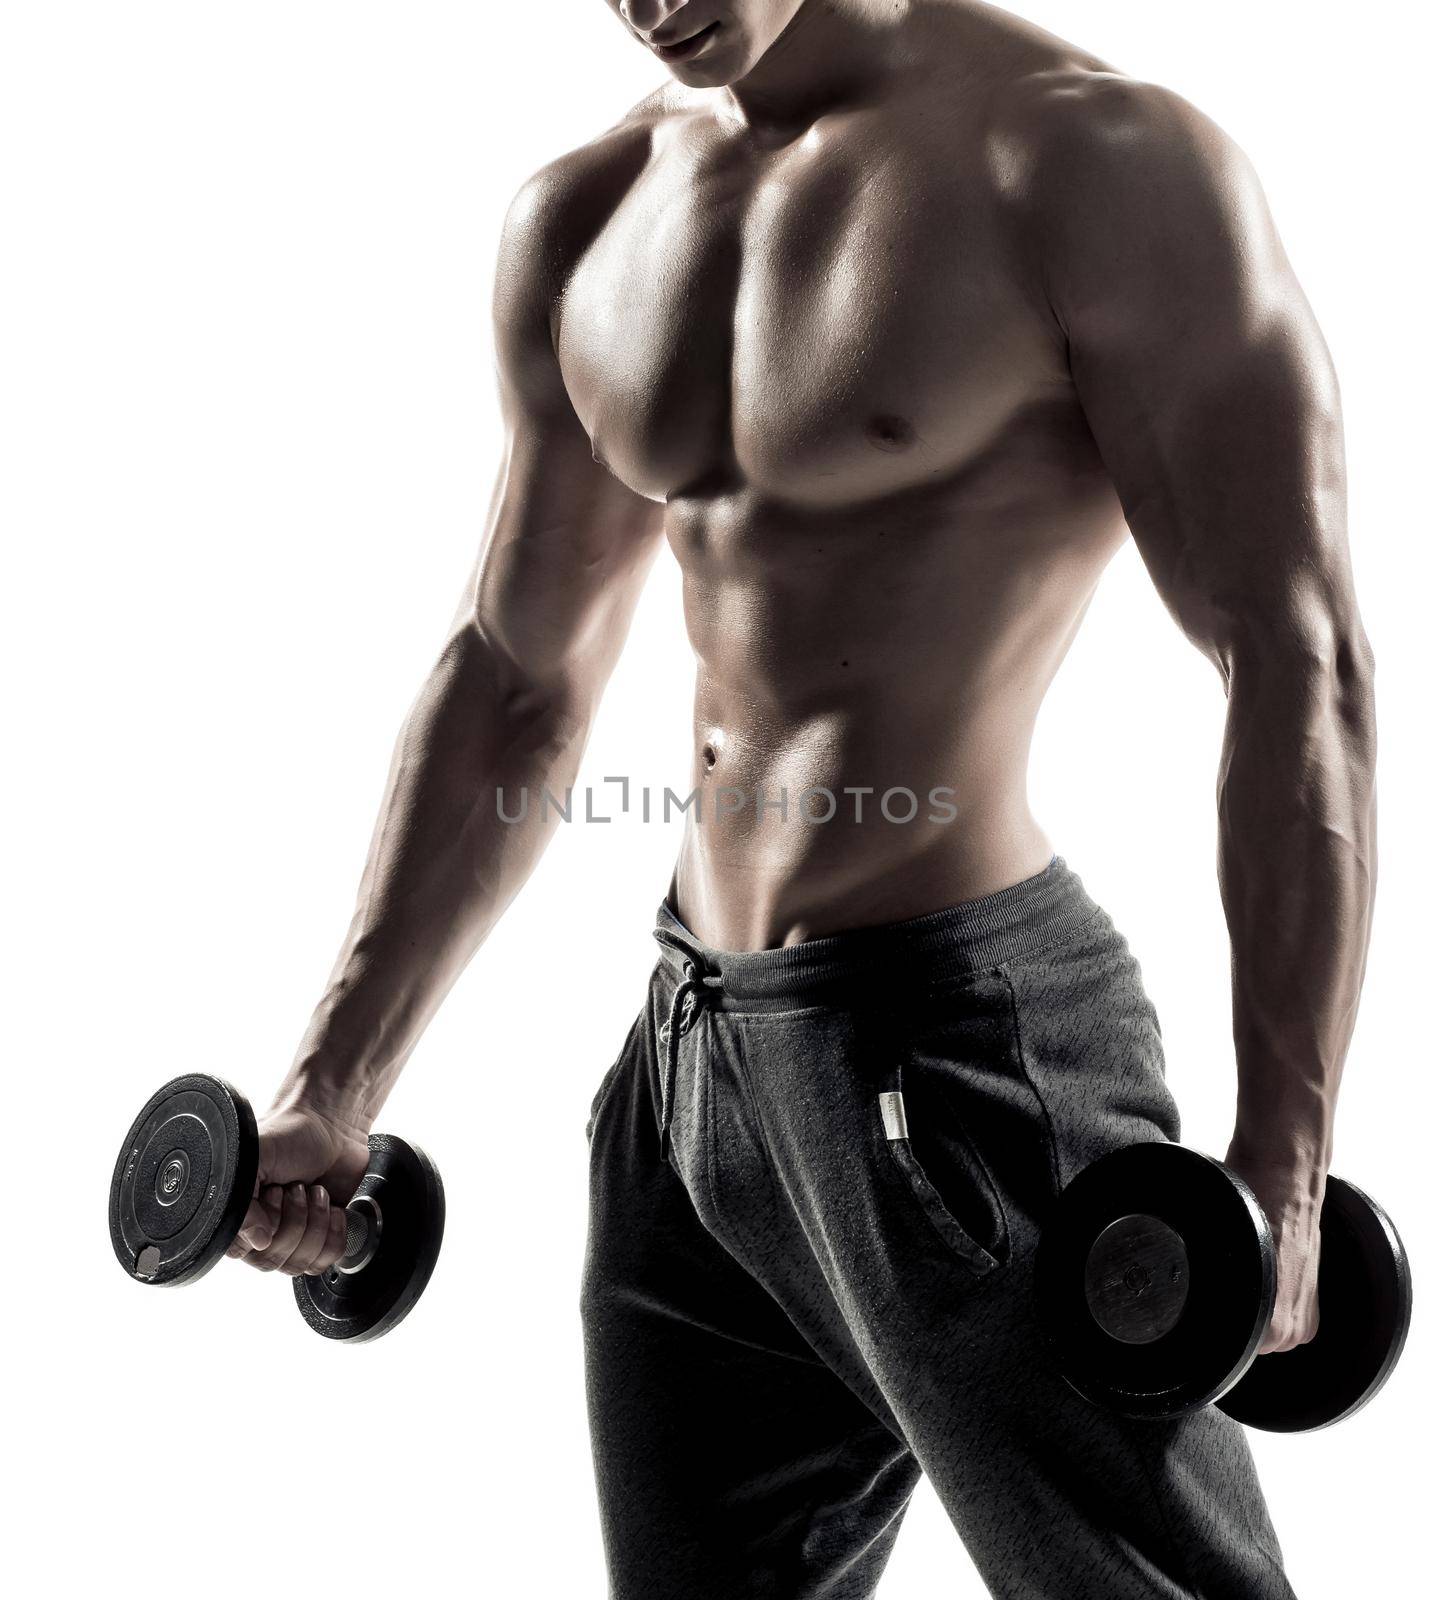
(1294,1220)
(310,1166)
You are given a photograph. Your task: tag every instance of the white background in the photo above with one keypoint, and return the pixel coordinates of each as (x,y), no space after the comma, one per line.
(247,440)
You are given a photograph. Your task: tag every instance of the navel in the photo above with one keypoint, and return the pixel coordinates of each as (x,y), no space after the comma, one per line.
(885,431)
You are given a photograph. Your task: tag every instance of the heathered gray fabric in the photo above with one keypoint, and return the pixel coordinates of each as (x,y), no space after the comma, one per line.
(789,1316)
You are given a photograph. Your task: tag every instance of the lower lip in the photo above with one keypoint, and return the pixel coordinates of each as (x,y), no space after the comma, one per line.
(688,48)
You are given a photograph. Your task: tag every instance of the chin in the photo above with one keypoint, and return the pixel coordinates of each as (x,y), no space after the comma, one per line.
(716,68)
(707,75)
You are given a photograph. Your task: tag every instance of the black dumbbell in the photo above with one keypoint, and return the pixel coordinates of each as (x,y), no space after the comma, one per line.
(187,1172)
(1155,1283)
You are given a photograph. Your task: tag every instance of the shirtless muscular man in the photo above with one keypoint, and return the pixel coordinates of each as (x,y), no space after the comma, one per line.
(893,318)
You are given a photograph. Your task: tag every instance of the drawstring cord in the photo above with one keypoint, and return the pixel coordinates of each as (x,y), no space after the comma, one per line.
(680,1017)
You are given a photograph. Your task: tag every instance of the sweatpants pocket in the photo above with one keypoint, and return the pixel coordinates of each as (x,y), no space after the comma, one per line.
(954,1191)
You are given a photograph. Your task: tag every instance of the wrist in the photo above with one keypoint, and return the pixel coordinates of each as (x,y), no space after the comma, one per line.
(319,1089)
(1285,1173)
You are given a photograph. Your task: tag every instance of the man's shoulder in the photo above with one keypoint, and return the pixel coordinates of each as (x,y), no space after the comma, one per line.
(1131,201)
(561,204)
(1082,135)
(554,216)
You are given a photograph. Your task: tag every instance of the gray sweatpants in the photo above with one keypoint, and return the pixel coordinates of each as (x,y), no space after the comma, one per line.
(792,1306)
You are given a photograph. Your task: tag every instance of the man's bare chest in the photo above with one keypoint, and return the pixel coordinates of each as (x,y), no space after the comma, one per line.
(835,320)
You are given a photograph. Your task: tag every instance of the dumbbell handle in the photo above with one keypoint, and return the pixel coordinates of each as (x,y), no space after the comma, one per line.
(363,1232)
(356,1232)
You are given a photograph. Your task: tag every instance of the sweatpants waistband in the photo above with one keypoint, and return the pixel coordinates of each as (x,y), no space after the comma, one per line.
(969,937)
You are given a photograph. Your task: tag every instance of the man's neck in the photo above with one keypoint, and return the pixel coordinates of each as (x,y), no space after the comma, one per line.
(831,52)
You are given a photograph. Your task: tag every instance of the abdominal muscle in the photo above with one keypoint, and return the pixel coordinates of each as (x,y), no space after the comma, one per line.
(838,828)
(902,659)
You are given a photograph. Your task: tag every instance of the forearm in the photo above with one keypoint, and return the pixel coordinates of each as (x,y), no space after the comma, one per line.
(442,867)
(1297,875)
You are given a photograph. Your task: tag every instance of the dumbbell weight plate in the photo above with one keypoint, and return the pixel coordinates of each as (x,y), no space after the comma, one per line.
(1364,1317)
(1154,1280)
(406,1188)
(183,1180)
